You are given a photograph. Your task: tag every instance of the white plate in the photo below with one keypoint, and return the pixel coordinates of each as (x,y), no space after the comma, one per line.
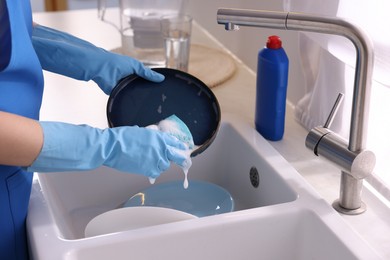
(123,219)
(200,199)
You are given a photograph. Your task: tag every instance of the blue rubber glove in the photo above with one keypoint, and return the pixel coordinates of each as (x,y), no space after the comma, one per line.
(132,149)
(70,56)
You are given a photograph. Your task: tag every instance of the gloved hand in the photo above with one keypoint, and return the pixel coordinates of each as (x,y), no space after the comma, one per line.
(133,149)
(70,56)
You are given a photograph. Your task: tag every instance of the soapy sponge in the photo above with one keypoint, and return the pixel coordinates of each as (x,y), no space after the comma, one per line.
(177,128)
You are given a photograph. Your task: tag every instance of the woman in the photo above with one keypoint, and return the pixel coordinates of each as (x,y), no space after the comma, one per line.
(28,145)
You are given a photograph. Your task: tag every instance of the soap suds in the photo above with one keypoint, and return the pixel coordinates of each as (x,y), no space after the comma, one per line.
(185,184)
(177,128)
(185,166)
(159,109)
(152,180)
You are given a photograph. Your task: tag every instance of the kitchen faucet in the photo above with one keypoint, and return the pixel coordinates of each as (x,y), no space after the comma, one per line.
(355,162)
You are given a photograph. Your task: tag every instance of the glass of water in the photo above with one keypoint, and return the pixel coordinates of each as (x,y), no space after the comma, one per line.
(176,31)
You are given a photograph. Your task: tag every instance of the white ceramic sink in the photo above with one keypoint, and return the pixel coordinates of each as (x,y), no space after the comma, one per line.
(282,218)
(278,234)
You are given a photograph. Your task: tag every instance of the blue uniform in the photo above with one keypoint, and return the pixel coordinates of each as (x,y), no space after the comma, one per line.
(21,88)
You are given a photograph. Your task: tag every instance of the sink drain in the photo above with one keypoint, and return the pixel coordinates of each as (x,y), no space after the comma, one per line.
(254,177)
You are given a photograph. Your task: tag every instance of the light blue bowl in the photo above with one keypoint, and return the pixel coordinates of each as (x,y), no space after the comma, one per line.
(200,199)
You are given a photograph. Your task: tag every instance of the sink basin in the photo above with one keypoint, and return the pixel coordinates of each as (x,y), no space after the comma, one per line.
(75,198)
(277,214)
(280,234)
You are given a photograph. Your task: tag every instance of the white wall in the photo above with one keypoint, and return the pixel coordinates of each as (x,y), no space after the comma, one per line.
(246,42)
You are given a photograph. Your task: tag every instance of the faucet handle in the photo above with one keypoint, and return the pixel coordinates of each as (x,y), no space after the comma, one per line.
(317,133)
(323,142)
(334,110)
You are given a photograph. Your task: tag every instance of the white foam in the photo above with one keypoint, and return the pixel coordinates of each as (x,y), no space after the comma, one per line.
(186,165)
(152,180)
(173,128)
(159,109)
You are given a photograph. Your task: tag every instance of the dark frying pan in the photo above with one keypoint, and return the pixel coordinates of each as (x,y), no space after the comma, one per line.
(136,101)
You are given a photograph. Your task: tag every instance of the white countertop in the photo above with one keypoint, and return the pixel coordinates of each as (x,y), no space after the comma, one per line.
(79,102)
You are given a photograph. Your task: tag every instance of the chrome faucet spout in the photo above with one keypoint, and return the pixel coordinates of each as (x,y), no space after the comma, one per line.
(231,27)
(355,162)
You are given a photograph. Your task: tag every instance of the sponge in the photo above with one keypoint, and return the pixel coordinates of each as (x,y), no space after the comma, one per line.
(177,128)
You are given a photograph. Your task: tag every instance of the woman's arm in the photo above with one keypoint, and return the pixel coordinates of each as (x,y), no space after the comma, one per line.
(21,139)
(65,54)
(70,147)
